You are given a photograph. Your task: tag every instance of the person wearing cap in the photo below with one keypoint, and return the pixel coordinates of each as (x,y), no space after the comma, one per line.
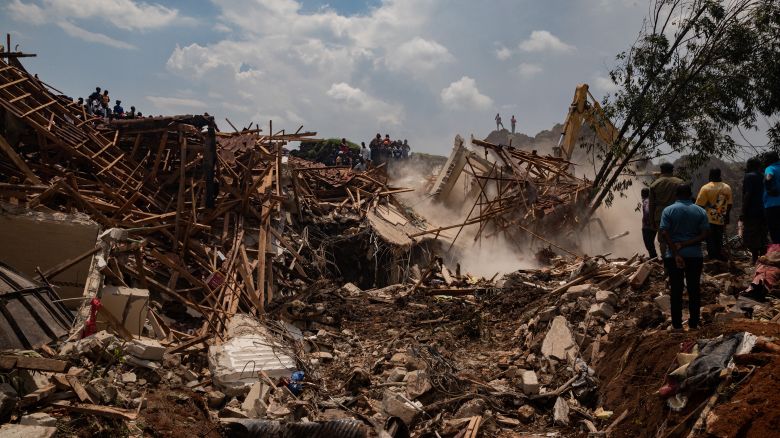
(684,225)
(662,195)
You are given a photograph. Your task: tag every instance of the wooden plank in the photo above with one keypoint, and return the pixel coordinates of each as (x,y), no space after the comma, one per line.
(78,388)
(38,395)
(103,411)
(57,269)
(187,344)
(18,161)
(8,362)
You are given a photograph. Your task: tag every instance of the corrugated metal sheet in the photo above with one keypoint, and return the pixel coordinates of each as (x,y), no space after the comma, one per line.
(30,314)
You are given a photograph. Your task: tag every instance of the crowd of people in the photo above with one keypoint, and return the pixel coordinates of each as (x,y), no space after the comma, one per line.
(681,223)
(379,151)
(99,104)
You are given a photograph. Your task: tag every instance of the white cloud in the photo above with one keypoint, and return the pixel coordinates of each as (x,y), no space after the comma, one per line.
(355,98)
(528,70)
(93,37)
(124,14)
(417,55)
(176,105)
(604,85)
(544,41)
(503,53)
(26,12)
(463,94)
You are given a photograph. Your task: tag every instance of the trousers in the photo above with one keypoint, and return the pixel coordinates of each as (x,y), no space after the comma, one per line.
(773,223)
(715,242)
(679,278)
(648,235)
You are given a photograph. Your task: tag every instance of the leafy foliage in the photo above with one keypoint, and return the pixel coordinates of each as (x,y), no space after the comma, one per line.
(698,69)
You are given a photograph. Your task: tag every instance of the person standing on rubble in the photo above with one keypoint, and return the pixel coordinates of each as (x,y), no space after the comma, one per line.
(684,225)
(662,195)
(513,122)
(752,222)
(365,154)
(717,200)
(772,196)
(406,148)
(104,101)
(498,121)
(119,112)
(374,146)
(648,230)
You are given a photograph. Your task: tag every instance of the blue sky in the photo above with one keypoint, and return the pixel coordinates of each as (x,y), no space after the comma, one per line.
(425,70)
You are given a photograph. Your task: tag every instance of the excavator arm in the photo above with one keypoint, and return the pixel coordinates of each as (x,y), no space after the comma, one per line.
(584,109)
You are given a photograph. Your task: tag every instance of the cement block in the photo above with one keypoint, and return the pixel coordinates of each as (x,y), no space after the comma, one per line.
(530,382)
(128,305)
(146,348)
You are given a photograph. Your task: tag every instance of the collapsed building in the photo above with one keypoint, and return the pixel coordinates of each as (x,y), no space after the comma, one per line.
(162,277)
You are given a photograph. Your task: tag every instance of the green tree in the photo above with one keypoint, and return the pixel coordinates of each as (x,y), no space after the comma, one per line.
(698,69)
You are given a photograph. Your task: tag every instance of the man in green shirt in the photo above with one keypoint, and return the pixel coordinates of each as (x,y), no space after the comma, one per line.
(663,194)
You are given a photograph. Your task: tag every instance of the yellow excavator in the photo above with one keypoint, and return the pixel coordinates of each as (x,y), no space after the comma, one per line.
(584,109)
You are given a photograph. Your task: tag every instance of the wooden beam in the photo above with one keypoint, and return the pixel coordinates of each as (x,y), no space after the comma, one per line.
(18,161)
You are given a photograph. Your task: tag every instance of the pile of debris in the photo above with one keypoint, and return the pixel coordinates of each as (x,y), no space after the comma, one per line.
(229,289)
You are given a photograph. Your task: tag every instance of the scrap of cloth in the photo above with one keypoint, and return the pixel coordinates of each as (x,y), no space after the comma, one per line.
(714,356)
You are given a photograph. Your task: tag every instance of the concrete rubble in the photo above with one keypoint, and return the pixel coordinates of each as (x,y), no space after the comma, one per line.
(230,288)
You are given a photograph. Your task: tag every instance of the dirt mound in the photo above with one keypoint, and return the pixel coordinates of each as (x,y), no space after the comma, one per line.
(631,372)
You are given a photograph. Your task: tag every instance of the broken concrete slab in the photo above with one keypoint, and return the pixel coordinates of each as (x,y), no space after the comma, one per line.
(664,302)
(605,296)
(146,348)
(601,310)
(127,305)
(530,382)
(561,412)
(396,405)
(256,402)
(250,348)
(580,290)
(417,383)
(39,419)
(26,431)
(558,342)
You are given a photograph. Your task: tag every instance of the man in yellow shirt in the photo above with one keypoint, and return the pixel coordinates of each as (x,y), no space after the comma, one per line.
(716,199)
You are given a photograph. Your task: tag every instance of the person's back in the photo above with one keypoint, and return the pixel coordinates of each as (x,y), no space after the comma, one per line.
(772,196)
(772,192)
(684,221)
(662,195)
(715,197)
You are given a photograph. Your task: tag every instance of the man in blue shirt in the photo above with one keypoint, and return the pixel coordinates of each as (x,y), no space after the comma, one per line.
(684,225)
(772,196)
